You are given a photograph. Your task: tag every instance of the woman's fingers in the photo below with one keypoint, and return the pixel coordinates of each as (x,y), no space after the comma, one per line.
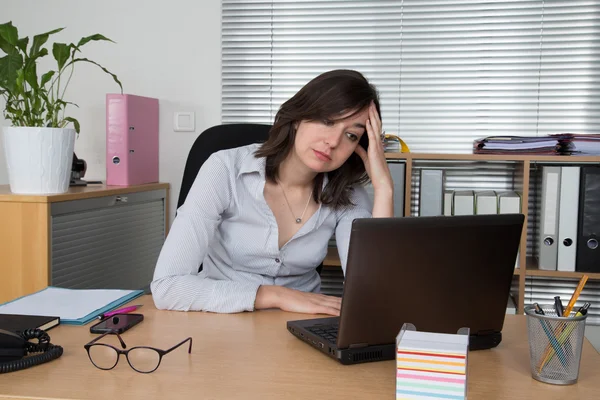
(329,310)
(328,305)
(362,153)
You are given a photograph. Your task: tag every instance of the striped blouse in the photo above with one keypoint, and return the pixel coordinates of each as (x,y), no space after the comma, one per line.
(227,226)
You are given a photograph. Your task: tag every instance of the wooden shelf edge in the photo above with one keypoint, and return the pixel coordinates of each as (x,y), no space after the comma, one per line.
(79,192)
(534,270)
(561,274)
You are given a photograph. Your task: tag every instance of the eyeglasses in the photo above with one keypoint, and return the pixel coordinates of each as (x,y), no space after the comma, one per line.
(143,359)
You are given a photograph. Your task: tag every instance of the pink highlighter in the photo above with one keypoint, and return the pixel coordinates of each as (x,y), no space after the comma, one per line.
(119,311)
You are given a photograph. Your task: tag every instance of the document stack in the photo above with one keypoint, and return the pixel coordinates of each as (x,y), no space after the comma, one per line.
(558,144)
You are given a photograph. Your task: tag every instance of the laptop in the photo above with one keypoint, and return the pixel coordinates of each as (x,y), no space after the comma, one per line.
(437,273)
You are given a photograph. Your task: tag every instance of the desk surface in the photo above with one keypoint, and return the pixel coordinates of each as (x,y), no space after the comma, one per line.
(252,355)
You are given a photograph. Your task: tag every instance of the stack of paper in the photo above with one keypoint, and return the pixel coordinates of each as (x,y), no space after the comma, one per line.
(73,306)
(516,144)
(431,365)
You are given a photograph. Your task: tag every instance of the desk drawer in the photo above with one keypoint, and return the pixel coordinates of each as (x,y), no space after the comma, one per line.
(107,242)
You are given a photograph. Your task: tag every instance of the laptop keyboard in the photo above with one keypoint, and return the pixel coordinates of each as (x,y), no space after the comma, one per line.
(327,332)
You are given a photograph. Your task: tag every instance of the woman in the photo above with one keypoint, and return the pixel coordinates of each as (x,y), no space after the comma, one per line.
(259,217)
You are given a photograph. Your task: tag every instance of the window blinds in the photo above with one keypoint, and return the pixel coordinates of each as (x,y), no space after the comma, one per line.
(448,71)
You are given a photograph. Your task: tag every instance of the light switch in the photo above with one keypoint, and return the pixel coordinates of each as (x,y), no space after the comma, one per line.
(184,122)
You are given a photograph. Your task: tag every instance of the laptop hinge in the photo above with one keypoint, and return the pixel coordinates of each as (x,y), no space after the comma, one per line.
(358,345)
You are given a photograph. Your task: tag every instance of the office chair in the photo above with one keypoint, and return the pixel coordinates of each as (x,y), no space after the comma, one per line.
(220,137)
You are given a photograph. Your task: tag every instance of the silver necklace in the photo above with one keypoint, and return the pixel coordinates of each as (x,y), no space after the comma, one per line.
(299,219)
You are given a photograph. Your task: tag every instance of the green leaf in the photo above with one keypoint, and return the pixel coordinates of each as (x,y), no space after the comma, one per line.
(39,40)
(37,104)
(30,72)
(96,36)
(9,65)
(46,77)
(19,81)
(74,121)
(101,67)
(61,54)
(64,103)
(7,47)
(22,44)
(9,33)
(42,53)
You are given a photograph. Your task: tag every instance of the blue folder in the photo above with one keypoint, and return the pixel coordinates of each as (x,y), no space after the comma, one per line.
(53,301)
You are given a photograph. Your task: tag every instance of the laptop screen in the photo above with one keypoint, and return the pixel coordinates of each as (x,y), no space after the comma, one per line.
(438,273)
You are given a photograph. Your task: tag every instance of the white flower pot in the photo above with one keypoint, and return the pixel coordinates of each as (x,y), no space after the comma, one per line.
(39,159)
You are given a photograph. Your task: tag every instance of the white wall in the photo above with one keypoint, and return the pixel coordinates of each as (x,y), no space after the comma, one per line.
(170,50)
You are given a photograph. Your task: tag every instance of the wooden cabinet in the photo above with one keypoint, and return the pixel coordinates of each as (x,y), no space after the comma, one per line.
(520,173)
(90,237)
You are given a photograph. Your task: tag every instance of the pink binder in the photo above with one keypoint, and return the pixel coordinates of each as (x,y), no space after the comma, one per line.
(131,139)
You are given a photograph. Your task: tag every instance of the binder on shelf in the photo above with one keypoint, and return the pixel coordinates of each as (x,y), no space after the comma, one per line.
(131,139)
(431,365)
(588,231)
(548,233)
(431,192)
(464,202)
(486,202)
(511,305)
(567,218)
(398,172)
(448,201)
(509,202)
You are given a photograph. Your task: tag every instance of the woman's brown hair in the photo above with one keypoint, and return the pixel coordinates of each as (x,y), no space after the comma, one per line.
(327,97)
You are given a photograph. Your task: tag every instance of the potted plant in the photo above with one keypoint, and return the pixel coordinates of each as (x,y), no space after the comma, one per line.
(39,145)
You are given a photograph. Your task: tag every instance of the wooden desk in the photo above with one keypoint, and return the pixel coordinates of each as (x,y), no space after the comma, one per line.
(253,356)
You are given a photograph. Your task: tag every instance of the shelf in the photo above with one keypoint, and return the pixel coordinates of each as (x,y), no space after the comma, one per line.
(332,259)
(561,274)
(491,157)
(533,270)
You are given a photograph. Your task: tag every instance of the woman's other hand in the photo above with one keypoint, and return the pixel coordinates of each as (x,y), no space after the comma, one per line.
(296,301)
(377,167)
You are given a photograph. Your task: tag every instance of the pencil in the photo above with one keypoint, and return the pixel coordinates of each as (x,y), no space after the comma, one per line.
(575,296)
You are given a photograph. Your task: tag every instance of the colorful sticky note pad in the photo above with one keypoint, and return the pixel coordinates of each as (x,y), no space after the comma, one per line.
(431,365)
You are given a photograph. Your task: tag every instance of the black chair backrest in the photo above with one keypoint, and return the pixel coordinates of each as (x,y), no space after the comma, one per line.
(219,137)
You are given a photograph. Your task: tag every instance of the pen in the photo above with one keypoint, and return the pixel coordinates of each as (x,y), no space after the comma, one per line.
(565,334)
(554,344)
(558,306)
(119,311)
(538,309)
(583,309)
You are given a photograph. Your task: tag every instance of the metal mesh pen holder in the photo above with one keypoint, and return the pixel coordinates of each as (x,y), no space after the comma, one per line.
(555,345)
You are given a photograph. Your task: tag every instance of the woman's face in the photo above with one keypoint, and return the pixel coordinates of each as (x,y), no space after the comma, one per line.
(323,146)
